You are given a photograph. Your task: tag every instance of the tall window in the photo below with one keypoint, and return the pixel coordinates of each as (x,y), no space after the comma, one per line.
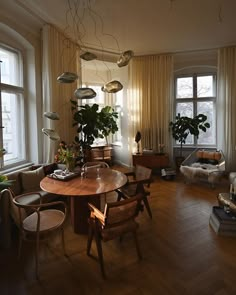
(196,94)
(11,106)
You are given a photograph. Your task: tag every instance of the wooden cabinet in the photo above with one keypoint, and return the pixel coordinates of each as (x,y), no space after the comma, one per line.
(154,161)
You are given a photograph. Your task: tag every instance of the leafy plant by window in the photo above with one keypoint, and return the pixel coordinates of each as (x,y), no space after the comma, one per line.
(183,126)
(93,123)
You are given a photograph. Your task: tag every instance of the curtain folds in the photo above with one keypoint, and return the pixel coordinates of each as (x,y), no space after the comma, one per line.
(150,101)
(59,55)
(226,105)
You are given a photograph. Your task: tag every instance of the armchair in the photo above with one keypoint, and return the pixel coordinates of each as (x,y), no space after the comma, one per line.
(37,221)
(204,165)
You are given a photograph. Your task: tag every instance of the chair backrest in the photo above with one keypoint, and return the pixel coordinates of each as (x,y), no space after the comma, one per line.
(95,164)
(101,154)
(16,214)
(119,212)
(143,173)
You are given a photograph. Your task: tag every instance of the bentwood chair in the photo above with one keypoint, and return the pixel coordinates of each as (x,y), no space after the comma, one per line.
(95,164)
(138,182)
(118,219)
(37,221)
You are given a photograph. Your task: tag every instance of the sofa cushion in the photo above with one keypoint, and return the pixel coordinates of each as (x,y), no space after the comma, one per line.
(16,186)
(30,180)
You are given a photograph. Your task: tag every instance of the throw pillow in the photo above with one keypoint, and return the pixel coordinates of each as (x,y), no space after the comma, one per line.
(30,180)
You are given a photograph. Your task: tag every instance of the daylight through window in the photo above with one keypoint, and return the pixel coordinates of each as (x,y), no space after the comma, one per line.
(196,94)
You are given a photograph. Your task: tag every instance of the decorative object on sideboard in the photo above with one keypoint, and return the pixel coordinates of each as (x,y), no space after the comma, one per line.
(137,140)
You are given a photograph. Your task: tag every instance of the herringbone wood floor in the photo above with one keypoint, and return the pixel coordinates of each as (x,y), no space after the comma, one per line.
(181,253)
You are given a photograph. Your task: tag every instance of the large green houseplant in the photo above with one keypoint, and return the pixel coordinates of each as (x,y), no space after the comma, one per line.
(183,126)
(107,121)
(92,123)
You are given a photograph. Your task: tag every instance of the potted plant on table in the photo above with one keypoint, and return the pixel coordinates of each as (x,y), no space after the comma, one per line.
(183,126)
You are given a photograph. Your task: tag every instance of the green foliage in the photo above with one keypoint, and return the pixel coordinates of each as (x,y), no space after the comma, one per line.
(183,126)
(107,121)
(5,182)
(92,123)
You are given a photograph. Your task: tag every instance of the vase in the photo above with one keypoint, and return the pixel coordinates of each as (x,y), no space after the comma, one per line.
(70,164)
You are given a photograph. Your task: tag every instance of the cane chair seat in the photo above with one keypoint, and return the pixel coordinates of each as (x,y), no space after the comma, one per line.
(50,219)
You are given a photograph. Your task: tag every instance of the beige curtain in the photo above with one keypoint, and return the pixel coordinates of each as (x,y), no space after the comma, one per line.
(226,105)
(59,55)
(150,101)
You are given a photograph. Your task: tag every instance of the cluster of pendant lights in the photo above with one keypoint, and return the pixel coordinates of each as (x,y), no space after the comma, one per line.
(110,87)
(85,92)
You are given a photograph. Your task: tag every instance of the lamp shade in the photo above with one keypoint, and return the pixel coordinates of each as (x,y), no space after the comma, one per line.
(52,134)
(112,87)
(67,77)
(124,58)
(85,93)
(51,115)
(88,56)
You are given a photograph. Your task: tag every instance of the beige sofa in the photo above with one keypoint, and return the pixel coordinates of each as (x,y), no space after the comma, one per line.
(25,181)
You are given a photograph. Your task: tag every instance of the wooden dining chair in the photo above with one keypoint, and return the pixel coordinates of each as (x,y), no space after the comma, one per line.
(37,221)
(118,219)
(139,181)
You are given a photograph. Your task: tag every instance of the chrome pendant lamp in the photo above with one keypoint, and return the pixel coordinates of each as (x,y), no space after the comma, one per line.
(124,58)
(52,134)
(67,77)
(88,56)
(112,87)
(51,115)
(84,93)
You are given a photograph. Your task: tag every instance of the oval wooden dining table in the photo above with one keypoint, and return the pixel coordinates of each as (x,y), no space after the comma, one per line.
(82,190)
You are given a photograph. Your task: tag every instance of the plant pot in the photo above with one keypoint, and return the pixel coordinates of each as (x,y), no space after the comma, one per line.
(178,161)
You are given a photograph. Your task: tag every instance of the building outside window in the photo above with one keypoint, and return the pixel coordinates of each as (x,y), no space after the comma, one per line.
(196,94)
(12,121)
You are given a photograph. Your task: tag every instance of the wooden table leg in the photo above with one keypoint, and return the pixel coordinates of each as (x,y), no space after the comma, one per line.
(80,212)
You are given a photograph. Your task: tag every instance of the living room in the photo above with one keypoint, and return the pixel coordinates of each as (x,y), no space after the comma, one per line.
(167,46)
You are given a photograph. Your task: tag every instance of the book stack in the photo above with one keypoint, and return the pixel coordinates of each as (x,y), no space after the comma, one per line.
(223,223)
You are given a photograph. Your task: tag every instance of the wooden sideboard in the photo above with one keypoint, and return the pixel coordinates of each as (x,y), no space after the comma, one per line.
(154,161)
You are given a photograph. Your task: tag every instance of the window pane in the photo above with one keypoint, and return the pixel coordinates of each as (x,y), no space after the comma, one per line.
(205,86)
(207,108)
(184,87)
(99,98)
(186,109)
(10,71)
(13,128)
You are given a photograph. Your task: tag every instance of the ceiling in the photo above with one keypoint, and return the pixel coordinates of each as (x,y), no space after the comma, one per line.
(146,27)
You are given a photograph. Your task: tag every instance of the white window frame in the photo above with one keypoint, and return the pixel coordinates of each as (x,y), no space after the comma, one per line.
(19,92)
(195,101)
